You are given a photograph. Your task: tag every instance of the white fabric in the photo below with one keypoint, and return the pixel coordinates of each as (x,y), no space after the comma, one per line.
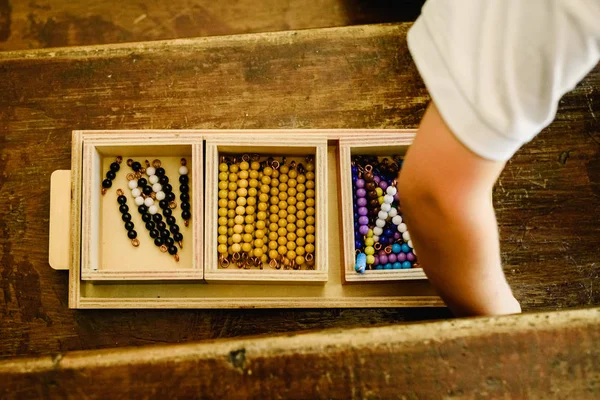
(496,69)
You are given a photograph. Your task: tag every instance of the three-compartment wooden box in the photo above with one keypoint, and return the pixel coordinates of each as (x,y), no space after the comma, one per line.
(87,236)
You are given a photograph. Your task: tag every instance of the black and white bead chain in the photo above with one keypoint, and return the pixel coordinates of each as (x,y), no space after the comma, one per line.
(126,217)
(184,188)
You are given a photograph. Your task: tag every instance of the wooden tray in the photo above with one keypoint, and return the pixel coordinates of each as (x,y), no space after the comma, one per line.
(165,286)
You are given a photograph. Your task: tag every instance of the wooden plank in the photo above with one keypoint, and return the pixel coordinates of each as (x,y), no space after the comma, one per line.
(546,355)
(54,23)
(60,220)
(357,77)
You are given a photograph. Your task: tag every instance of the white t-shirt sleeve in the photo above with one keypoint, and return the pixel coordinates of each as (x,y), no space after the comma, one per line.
(496,69)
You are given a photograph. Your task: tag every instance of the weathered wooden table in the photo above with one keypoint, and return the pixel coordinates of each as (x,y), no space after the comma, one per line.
(547,199)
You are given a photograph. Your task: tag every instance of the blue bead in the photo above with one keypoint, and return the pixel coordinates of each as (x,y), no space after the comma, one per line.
(406,265)
(354,169)
(388,232)
(379,266)
(357,244)
(405,248)
(361,263)
(396,265)
(382,238)
(396,248)
(387,266)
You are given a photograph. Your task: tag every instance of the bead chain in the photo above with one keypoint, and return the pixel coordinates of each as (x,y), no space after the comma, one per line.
(111,174)
(184,195)
(126,217)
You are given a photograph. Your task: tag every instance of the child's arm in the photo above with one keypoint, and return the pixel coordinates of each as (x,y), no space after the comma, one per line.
(445,192)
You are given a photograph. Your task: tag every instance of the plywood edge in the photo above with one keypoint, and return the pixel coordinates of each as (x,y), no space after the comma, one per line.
(142,275)
(198,208)
(75,242)
(59,242)
(386,275)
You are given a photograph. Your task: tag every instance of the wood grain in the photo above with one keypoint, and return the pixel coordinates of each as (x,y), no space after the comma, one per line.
(548,198)
(56,23)
(546,355)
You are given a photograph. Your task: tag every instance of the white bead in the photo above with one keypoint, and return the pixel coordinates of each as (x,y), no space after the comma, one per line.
(397,220)
(388,199)
(406,236)
(157,187)
(153,179)
(386,207)
(139,200)
(380,223)
(136,192)
(376,238)
(183,170)
(402,228)
(382,215)
(391,190)
(148,202)
(377,231)
(160,195)
(393,212)
(153,210)
(150,171)
(414,251)
(132,184)
(410,244)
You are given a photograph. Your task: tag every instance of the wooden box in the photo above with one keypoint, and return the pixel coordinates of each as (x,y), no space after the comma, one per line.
(266,145)
(382,145)
(81,229)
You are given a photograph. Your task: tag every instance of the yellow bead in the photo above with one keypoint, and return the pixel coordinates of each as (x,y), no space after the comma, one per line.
(370,259)
(222,239)
(231,204)
(223,194)
(273,245)
(301,178)
(223,167)
(262,207)
(282,231)
(283,196)
(291,218)
(264,258)
(310,193)
(274,182)
(300,223)
(292,182)
(267,171)
(244,165)
(310,238)
(369,250)
(238,228)
(250,210)
(273,236)
(290,228)
(291,192)
(241,201)
(291,200)
(299,260)
(310,202)
(263,197)
(274,200)
(222,203)
(301,214)
(274,209)
(370,233)
(301,205)
(300,197)
(261,215)
(222,220)
(282,205)
(266,180)
(253,174)
(283,187)
(273,253)
(310,229)
(231,213)
(249,219)
(300,232)
(273,227)
(243,174)
(282,250)
(300,188)
(259,234)
(223,176)
(255,165)
(223,185)
(243,183)
(247,237)
(310,248)
(234,168)
(310,211)
(310,220)
(251,201)
(293,173)
(222,248)
(240,210)
(274,218)
(230,241)
(291,254)
(231,195)
(232,177)
(253,183)
(222,212)
(310,175)
(284,169)
(380,199)
(300,241)
(230,223)
(239,220)
(258,243)
(246,247)
(369,241)
(283,179)
(229,231)
(258,252)
(379,191)
(261,225)
(252,192)
(274,191)
(282,214)
(237,238)
(282,222)
(222,230)
(300,250)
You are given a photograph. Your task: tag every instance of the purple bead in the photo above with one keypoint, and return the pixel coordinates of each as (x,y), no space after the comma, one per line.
(360,183)
(363,211)
(376,179)
(383,185)
(381,253)
(364,229)
(396,197)
(363,220)
(410,256)
(361,202)
(392,258)
(401,257)
(376,260)
(361,192)
(383,259)
(397,235)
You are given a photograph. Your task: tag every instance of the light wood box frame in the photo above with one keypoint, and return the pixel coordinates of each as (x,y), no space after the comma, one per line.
(104,145)
(265,145)
(380,146)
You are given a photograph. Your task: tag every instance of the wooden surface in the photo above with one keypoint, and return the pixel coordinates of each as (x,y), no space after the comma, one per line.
(538,356)
(57,23)
(548,198)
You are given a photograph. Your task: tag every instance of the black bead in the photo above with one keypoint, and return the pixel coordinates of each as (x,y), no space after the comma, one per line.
(115,166)
(163,204)
(121,199)
(150,225)
(157,217)
(172,250)
(165,233)
(167,188)
(185,206)
(146,217)
(169,242)
(184,197)
(126,217)
(186,215)
(163,180)
(110,174)
(143,209)
(184,179)
(158,241)
(178,236)
(167,212)
(147,190)
(129,225)
(132,234)
(184,188)
(123,208)
(142,182)
(160,172)
(154,233)
(136,166)
(161,226)
(174,228)
(171,196)
(170,220)
(107,183)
